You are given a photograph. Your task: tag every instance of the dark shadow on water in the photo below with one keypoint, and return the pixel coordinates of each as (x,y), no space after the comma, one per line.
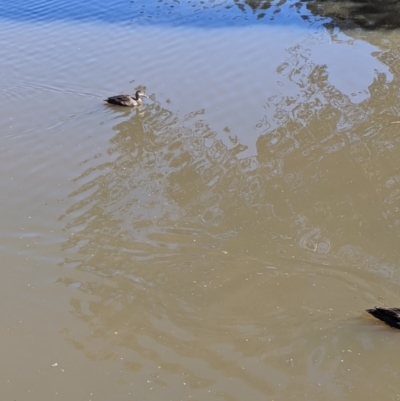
(372,14)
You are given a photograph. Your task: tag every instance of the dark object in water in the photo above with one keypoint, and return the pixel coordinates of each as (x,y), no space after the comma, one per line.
(127,100)
(391,316)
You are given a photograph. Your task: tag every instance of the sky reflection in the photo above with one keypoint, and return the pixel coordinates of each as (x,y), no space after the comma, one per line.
(207,14)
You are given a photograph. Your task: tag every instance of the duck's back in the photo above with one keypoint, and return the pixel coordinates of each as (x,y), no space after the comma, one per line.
(391,316)
(122,100)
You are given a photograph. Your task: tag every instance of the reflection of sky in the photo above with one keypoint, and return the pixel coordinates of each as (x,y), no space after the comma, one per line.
(351,65)
(147,12)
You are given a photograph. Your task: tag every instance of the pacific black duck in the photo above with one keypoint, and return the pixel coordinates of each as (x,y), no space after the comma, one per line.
(391,316)
(127,100)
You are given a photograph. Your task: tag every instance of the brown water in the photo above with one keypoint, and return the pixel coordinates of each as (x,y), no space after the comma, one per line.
(223,241)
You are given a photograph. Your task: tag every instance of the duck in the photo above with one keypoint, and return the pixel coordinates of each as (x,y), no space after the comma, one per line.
(127,100)
(390,316)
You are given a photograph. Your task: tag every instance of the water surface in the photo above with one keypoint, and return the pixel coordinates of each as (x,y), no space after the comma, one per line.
(221,242)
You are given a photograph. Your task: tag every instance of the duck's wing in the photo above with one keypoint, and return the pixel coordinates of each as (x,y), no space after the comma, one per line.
(391,316)
(121,100)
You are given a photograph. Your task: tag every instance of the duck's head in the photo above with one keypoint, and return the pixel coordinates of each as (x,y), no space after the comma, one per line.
(140,94)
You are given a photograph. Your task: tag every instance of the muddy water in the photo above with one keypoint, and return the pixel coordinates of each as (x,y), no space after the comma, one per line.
(221,242)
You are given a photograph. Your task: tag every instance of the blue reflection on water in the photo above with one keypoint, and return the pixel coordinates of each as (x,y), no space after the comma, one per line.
(209,13)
